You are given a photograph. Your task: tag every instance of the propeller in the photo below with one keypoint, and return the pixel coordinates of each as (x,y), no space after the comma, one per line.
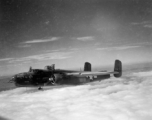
(51,80)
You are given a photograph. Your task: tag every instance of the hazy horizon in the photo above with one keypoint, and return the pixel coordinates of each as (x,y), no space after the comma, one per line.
(125,67)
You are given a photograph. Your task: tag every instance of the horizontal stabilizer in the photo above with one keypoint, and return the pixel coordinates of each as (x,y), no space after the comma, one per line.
(90,73)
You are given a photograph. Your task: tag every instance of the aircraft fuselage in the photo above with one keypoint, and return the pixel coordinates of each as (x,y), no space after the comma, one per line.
(52,76)
(28,79)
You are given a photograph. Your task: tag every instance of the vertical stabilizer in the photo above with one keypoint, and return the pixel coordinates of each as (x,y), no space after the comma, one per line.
(87,66)
(118,68)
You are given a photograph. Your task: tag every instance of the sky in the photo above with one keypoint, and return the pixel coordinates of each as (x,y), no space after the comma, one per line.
(70,32)
(125,98)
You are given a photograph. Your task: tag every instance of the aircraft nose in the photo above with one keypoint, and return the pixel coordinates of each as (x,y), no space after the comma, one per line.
(16,80)
(13,79)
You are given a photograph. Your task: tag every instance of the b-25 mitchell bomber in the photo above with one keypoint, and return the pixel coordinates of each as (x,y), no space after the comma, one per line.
(51,76)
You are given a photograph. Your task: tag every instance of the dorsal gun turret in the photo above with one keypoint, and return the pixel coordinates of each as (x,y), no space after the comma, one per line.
(51,68)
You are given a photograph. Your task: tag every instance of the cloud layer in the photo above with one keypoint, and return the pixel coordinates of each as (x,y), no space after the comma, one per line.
(46,56)
(118,48)
(146,24)
(41,40)
(127,98)
(86,38)
(41,57)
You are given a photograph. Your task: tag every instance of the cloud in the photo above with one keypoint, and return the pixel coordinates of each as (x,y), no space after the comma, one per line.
(112,99)
(75,49)
(141,23)
(41,40)
(142,44)
(41,57)
(96,44)
(24,46)
(118,48)
(6,59)
(47,22)
(55,50)
(146,24)
(87,38)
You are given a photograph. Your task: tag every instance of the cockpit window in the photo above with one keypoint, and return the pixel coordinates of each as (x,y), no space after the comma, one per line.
(37,71)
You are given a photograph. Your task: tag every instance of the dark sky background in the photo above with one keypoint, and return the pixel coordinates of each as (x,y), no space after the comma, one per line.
(69,32)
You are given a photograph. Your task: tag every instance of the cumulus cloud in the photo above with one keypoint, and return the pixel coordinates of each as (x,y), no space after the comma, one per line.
(87,38)
(127,98)
(118,48)
(41,40)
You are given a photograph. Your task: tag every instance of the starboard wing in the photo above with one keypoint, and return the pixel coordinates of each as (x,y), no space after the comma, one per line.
(90,73)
